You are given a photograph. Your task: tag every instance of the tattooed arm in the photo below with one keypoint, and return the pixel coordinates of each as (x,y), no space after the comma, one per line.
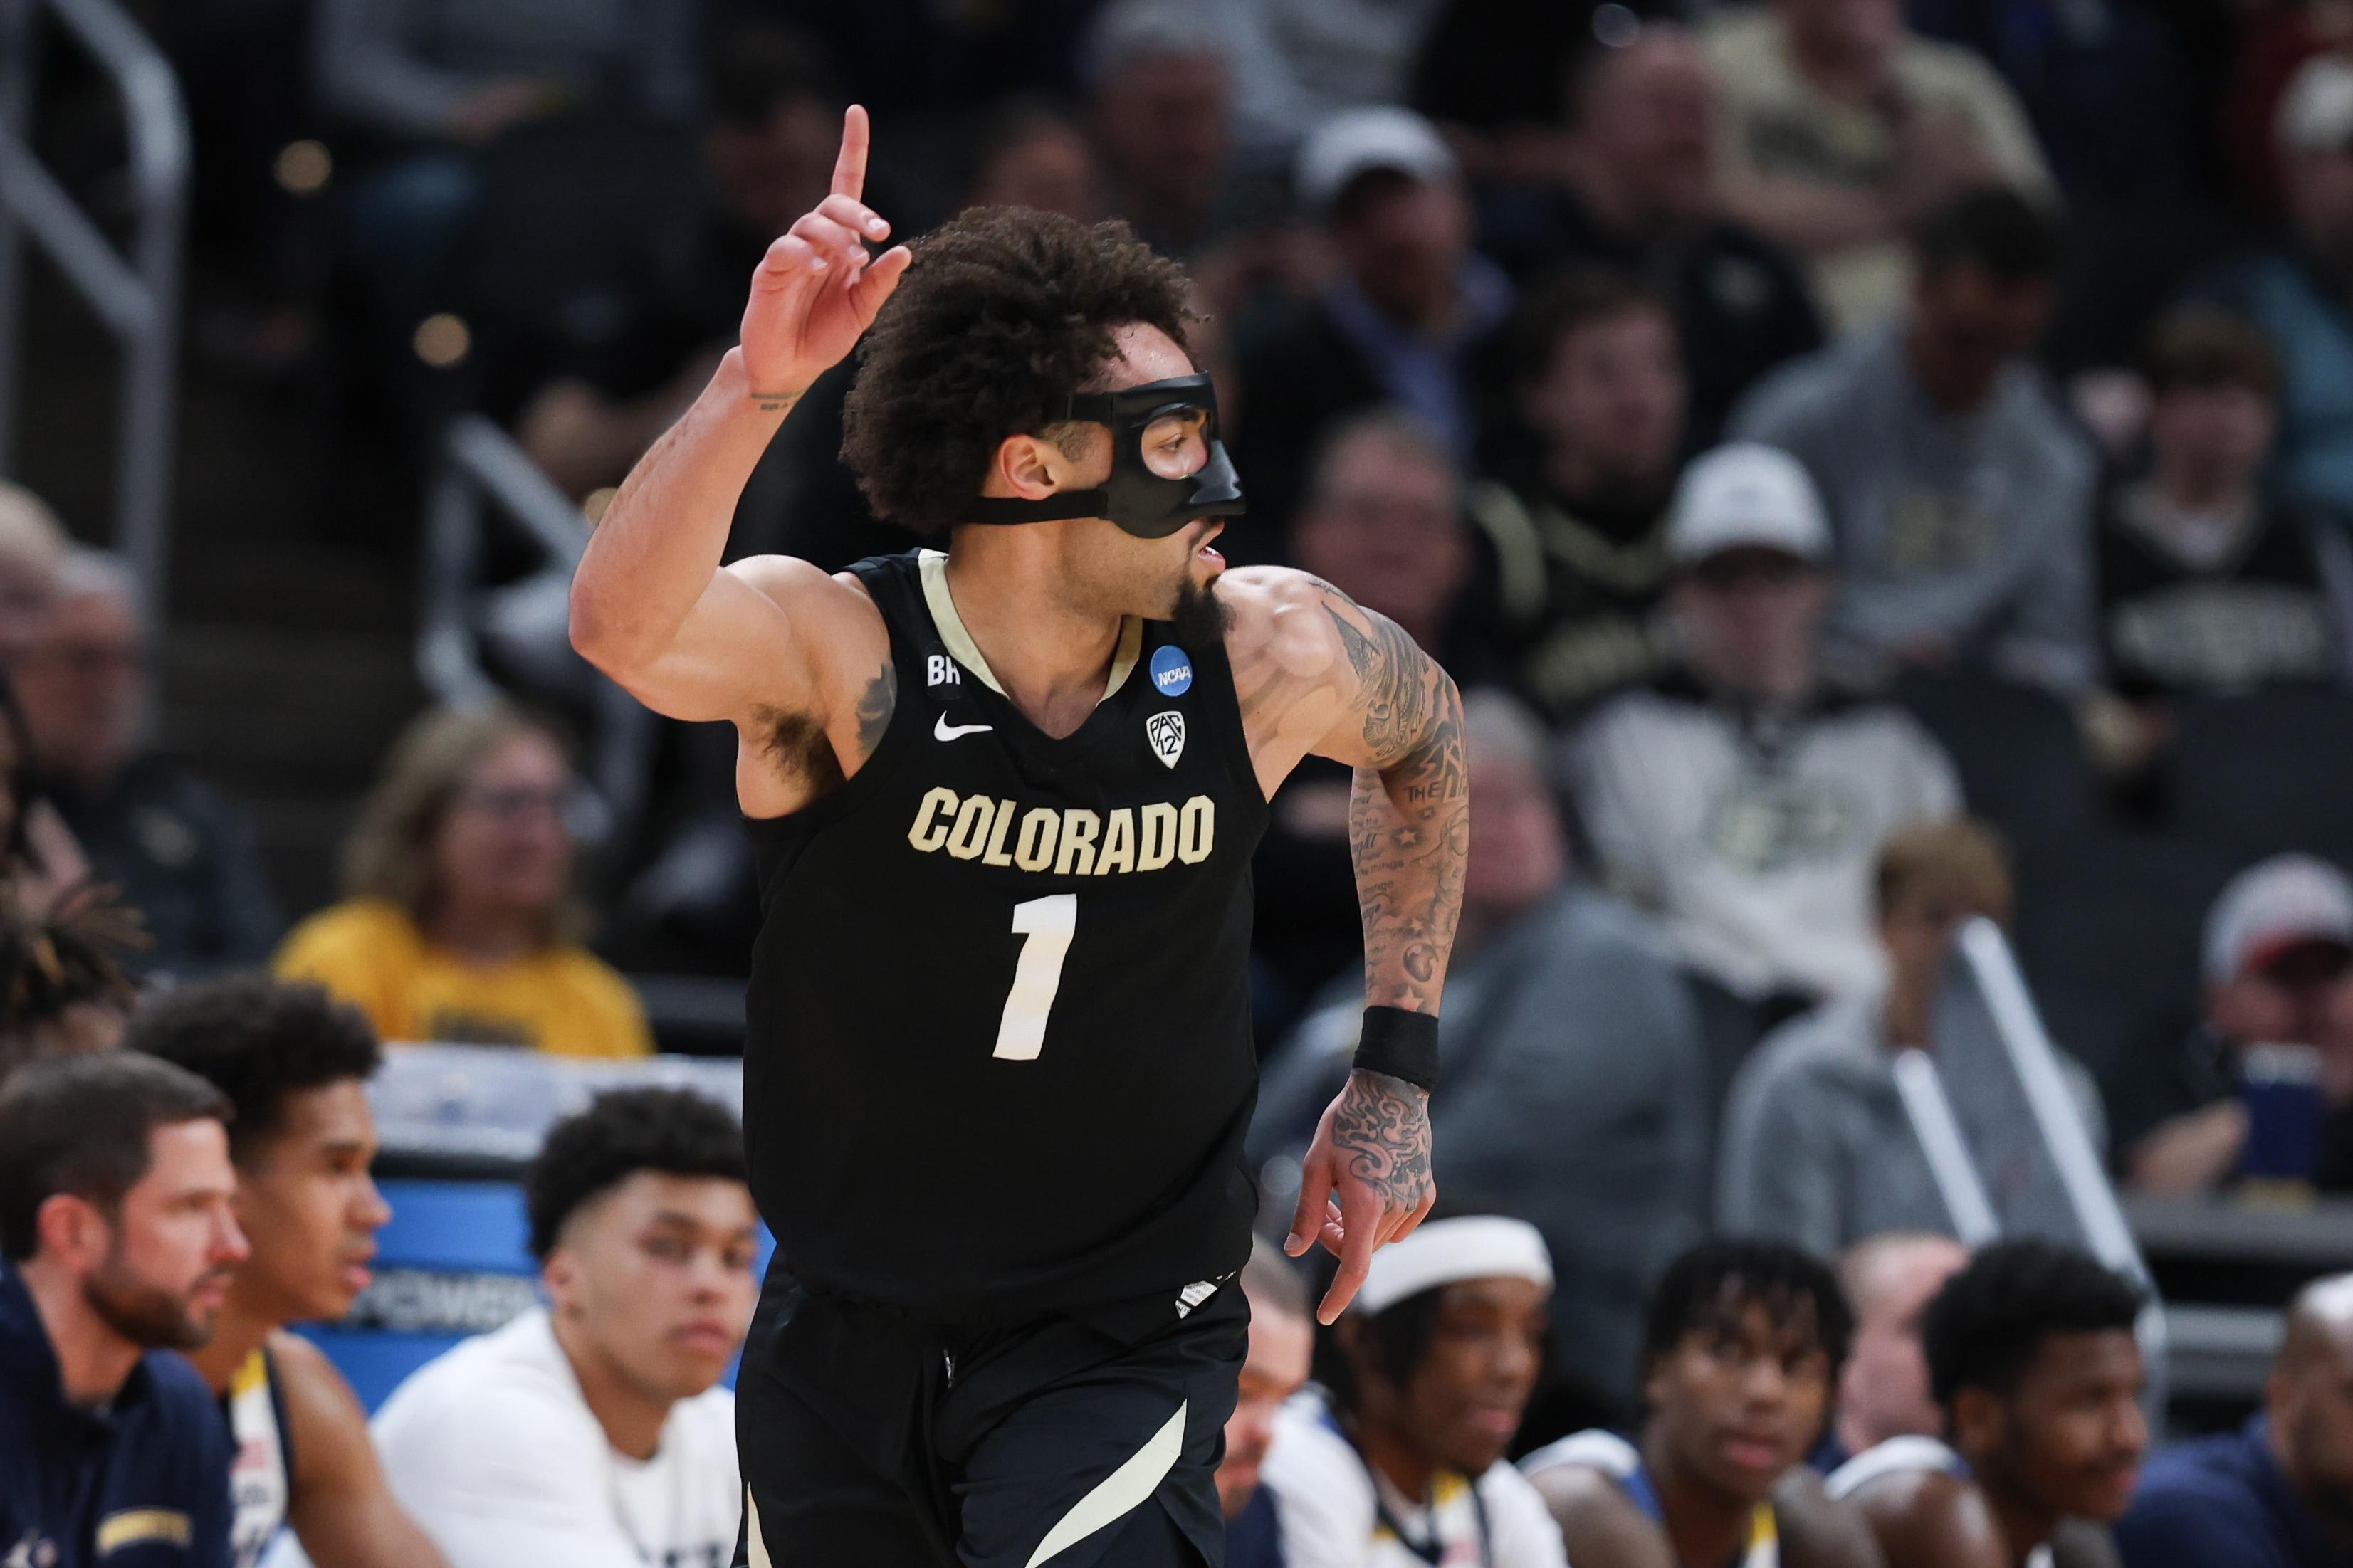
(1319,673)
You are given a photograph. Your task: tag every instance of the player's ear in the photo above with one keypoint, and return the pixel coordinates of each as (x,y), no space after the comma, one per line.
(560,1273)
(1034,466)
(1976,1420)
(73,1230)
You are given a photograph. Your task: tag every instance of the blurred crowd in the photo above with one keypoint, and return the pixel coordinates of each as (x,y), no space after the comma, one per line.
(1875,465)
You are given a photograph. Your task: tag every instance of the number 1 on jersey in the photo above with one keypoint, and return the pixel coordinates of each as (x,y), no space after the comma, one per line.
(1046,925)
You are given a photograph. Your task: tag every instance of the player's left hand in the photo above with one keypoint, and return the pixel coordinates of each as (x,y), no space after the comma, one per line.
(1366,1181)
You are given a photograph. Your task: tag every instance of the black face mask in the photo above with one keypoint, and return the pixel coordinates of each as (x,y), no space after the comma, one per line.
(1167,467)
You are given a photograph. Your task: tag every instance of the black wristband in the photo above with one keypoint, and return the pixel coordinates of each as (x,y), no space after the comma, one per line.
(1400,1044)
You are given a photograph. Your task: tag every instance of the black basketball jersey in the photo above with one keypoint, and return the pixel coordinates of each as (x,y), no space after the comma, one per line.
(999,1059)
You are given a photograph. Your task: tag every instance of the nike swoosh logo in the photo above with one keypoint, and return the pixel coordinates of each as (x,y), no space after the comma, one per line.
(944,731)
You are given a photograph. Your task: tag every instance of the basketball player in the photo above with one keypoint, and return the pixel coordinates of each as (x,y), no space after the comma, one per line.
(294,1063)
(1003,800)
(1741,1349)
(2031,1360)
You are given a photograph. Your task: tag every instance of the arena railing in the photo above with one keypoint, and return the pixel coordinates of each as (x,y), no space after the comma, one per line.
(1983,961)
(482,475)
(136,294)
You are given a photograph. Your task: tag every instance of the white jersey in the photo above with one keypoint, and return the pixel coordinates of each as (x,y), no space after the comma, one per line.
(1623,1462)
(1336,1514)
(493,1449)
(1909,1455)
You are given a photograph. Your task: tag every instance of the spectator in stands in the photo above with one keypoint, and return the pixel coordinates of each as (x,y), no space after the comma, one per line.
(1818,1149)
(1031,156)
(1577,1089)
(180,853)
(1883,1391)
(33,546)
(1843,128)
(116,1219)
(1382,521)
(1633,188)
(1741,1349)
(2211,583)
(1423,1380)
(62,988)
(423,74)
(294,1066)
(1578,536)
(1160,94)
(2033,1361)
(2264,1087)
(771,125)
(458,923)
(591,1431)
(2297,292)
(1281,1348)
(2278,1492)
(1960,493)
(1742,795)
(1407,318)
(436,83)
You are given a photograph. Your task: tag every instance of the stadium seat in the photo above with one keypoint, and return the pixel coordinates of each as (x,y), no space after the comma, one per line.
(2108,931)
(2019,754)
(2267,772)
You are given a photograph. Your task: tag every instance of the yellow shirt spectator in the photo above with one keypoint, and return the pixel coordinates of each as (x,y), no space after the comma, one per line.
(562,999)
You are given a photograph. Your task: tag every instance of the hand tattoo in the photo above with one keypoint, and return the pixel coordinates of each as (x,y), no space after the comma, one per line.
(1381,1134)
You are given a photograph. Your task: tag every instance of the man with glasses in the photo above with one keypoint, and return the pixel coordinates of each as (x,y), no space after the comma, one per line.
(182,856)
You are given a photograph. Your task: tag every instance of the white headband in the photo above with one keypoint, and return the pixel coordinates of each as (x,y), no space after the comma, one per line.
(1477,1247)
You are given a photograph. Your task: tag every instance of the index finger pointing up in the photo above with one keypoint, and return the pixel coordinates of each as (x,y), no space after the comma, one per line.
(850,168)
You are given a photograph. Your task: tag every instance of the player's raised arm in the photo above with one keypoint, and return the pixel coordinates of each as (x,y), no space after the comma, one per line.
(651,606)
(1320,673)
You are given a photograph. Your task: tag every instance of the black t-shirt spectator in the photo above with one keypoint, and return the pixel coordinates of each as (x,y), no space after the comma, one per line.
(185,859)
(1578,584)
(2193,606)
(1741,304)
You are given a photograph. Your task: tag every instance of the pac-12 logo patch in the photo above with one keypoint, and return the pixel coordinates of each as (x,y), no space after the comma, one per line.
(1172,675)
(1167,733)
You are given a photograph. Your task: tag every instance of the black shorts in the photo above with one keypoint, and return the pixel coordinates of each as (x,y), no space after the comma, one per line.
(869,1440)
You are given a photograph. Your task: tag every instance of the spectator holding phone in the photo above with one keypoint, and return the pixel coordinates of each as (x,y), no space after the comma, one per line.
(2264,1088)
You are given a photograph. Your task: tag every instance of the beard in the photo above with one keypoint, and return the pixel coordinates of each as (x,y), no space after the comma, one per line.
(147,1315)
(1199,616)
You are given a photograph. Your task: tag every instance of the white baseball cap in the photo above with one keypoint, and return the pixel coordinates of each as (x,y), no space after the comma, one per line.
(2275,904)
(1359,141)
(1746,496)
(2316,113)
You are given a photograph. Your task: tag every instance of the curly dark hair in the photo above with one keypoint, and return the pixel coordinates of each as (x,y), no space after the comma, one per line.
(675,1131)
(1002,311)
(259,1041)
(1717,1280)
(1984,1329)
(52,964)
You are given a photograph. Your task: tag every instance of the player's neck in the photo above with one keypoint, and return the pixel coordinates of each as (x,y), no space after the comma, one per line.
(1396,1460)
(240,1331)
(1051,656)
(1705,1524)
(2025,1523)
(632,1420)
(93,1359)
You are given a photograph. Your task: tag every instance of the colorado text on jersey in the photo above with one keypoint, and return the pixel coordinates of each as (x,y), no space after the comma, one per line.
(1070,840)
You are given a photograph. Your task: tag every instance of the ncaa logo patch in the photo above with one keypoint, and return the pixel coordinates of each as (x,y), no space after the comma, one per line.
(1172,675)
(1167,733)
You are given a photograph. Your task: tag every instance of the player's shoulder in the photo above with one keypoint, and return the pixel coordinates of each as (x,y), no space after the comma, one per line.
(1259,598)
(511,1383)
(818,602)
